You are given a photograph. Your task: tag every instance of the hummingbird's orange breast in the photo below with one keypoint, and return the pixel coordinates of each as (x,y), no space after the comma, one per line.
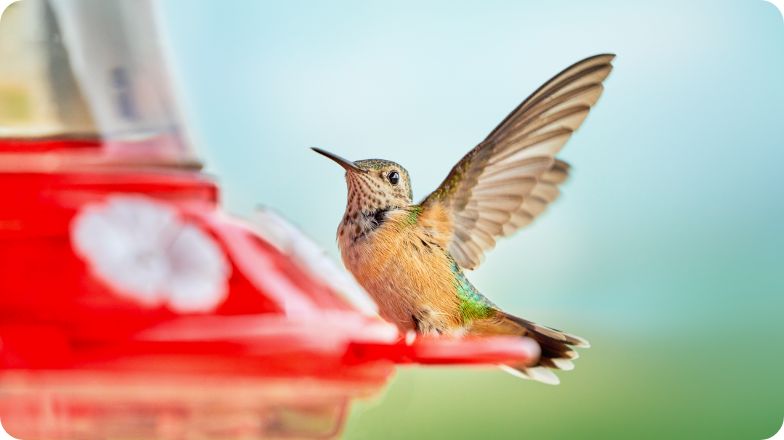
(405,267)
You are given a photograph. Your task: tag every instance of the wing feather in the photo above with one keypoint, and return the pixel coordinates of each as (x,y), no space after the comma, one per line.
(511,177)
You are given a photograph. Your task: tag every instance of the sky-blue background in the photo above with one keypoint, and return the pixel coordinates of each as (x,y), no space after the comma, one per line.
(665,250)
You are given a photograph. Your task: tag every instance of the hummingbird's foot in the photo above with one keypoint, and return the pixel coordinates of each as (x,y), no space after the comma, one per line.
(427,322)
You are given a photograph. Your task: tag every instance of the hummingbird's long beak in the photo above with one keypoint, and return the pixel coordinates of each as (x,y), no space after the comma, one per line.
(347,164)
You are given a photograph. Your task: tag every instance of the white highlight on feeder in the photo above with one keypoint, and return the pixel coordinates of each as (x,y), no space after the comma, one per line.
(310,257)
(143,250)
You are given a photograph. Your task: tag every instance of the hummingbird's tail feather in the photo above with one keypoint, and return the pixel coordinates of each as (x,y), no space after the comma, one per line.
(558,350)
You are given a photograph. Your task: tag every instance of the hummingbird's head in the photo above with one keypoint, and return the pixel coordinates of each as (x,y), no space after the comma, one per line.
(374,184)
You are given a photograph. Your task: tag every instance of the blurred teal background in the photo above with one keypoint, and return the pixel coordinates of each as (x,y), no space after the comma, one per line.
(665,250)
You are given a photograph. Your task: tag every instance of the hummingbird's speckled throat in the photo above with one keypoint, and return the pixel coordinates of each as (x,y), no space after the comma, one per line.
(375,187)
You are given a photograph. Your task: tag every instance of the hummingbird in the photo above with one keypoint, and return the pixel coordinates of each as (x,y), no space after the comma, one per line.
(412,257)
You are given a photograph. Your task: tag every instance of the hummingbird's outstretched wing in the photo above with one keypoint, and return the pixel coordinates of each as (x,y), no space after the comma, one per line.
(511,176)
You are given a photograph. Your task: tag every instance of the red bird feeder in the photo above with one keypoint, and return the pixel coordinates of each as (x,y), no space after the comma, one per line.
(130,306)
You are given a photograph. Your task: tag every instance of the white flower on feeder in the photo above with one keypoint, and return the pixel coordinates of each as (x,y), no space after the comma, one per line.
(143,249)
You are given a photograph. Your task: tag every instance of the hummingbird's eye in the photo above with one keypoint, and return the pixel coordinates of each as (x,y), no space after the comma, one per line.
(393,177)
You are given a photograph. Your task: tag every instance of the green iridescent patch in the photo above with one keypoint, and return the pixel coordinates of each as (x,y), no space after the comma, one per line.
(413,215)
(473,305)
(452,181)
(471,310)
